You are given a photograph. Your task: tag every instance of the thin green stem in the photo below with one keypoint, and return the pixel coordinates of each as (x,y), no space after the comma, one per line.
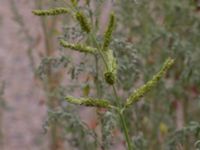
(116,96)
(122,120)
(125,129)
(99,49)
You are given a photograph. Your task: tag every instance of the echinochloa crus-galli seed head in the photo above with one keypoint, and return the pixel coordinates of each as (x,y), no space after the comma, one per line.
(78,47)
(89,102)
(108,33)
(83,21)
(51,12)
(140,92)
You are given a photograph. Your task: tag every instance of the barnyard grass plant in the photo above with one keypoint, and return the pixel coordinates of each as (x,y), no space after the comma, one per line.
(102,48)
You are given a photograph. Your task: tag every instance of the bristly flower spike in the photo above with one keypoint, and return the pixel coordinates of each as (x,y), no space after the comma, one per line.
(51,12)
(85,26)
(78,47)
(111,70)
(89,102)
(109,31)
(140,92)
(74,2)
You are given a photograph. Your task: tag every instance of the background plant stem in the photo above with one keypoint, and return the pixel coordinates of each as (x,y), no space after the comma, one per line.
(56,141)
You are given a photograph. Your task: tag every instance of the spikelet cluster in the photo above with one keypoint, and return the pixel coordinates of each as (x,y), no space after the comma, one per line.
(78,47)
(150,84)
(51,12)
(89,102)
(111,70)
(74,2)
(85,26)
(109,31)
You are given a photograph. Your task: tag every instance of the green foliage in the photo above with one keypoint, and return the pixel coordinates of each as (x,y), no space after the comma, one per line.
(146,33)
(56,64)
(128,61)
(158,29)
(180,136)
(72,125)
(109,124)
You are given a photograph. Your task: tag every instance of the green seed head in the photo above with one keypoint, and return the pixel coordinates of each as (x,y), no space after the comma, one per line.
(140,92)
(89,102)
(109,31)
(78,47)
(83,22)
(111,70)
(51,12)
(110,77)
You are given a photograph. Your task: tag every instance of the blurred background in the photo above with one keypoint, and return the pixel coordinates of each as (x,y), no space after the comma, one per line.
(22,109)
(36,73)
